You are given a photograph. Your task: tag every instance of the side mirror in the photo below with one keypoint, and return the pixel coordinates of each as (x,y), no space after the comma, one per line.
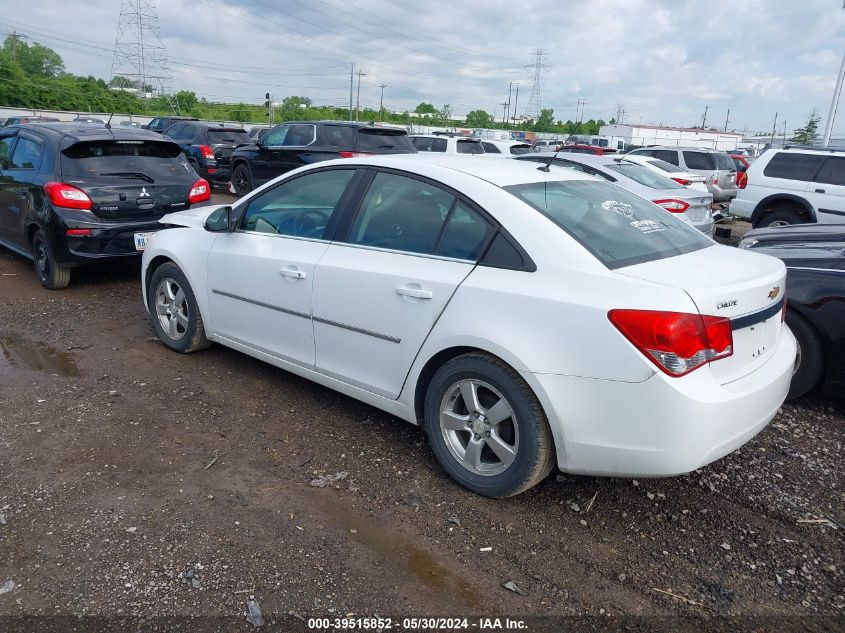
(220,220)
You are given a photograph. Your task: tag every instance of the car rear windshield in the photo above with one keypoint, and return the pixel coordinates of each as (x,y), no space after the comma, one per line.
(618,228)
(469,146)
(157,160)
(228,137)
(793,166)
(643,176)
(724,161)
(700,160)
(384,139)
(518,150)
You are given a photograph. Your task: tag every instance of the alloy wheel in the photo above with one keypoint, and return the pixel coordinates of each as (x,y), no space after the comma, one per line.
(479,427)
(171,308)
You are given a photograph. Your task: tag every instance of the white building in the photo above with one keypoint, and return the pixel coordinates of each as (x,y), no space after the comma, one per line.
(639,135)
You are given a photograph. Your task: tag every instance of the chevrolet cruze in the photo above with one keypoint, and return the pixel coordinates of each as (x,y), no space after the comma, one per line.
(526,316)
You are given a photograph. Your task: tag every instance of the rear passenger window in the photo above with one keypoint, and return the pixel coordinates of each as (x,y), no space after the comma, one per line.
(669,155)
(467,146)
(5,154)
(300,207)
(423,144)
(27,155)
(490,148)
(698,160)
(832,172)
(402,214)
(465,235)
(792,166)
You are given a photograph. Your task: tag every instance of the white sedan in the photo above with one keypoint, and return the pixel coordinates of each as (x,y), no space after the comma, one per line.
(525,318)
(685,178)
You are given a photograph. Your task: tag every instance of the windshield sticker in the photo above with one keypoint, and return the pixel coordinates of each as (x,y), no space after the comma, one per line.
(627,211)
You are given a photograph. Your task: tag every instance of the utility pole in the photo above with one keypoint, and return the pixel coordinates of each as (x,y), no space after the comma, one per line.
(360,74)
(704,118)
(784,131)
(579,109)
(774,126)
(381,101)
(727,118)
(351,83)
(515,103)
(508,104)
(504,105)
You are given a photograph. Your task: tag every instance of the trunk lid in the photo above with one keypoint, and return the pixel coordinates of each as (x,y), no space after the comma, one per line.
(135,199)
(747,290)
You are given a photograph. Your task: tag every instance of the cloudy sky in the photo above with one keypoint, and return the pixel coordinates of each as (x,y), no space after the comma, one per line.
(663,61)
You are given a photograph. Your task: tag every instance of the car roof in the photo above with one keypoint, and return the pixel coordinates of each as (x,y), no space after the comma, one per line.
(73,132)
(501,173)
(589,159)
(682,148)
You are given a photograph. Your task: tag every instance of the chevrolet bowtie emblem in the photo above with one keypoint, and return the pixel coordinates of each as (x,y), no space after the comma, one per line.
(144,193)
(774,292)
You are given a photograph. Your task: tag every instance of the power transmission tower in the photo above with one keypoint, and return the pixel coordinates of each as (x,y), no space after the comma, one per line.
(620,113)
(535,104)
(579,109)
(139,55)
(381,101)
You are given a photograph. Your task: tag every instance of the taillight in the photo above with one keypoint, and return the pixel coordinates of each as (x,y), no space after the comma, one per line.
(67,196)
(207,152)
(714,180)
(682,181)
(672,206)
(354,154)
(200,191)
(677,342)
(742,180)
(78,233)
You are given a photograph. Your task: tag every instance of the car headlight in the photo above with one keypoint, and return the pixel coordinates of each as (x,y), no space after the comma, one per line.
(747,242)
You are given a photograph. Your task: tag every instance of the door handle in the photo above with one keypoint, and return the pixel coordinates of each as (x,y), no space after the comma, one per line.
(417,293)
(819,190)
(292,273)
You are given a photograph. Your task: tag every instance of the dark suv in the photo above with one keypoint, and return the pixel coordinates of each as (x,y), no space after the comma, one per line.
(208,147)
(74,194)
(294,144)
(161,123)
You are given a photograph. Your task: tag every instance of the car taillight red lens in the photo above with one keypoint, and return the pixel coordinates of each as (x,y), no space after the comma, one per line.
(200,191)
(742,180)
(682,181)
(672,206)
(67,196)
(78,233)
(677,342)
(207,152)
(354,154)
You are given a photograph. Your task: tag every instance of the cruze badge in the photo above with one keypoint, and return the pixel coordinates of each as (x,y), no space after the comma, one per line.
(726,304)
(774,292)
(144,193)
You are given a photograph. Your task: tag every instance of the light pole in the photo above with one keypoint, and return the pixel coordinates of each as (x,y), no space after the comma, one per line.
(834,104)
(358,99)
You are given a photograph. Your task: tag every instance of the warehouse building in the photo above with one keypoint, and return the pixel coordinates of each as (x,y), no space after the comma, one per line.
(639,135)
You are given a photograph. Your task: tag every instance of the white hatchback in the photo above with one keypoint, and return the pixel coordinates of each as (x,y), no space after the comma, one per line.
(525,318)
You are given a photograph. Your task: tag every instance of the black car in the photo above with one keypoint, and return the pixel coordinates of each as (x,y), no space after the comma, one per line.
(815,291)
(161,123)
(74,194)
(208,147)
(294,144)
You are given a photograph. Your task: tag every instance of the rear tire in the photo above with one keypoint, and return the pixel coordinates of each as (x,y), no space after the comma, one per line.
(782,217)
(499,444)
(51,275)
(809,363)
(174,311)
(242,179)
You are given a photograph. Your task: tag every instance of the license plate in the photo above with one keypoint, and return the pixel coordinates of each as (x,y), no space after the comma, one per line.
(142,239)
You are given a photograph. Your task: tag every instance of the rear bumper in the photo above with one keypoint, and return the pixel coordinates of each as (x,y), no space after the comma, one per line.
(722,194)
(220,176)
(662,426)
(108,241)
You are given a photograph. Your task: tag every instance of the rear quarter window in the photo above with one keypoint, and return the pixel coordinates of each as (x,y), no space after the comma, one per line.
(793,166)
(618,228)
(466,146)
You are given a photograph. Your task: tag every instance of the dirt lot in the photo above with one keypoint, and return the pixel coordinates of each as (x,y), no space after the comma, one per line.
(124,465)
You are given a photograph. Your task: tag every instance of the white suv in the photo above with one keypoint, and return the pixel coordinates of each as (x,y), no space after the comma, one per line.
(446,144)
(793,186)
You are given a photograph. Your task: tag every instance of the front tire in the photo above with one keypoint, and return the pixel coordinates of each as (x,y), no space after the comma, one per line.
(50,273)
(242,179)
(809,362)
(174,310)
(486,427)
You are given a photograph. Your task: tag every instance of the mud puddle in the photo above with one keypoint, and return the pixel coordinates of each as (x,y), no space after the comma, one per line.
(18,354)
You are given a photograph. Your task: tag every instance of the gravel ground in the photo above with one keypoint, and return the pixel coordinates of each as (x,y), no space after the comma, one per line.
(138,485)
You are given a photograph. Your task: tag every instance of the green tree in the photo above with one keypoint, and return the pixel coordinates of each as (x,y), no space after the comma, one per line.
(479,118)
(425,108)
(545,121)
(808,134)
